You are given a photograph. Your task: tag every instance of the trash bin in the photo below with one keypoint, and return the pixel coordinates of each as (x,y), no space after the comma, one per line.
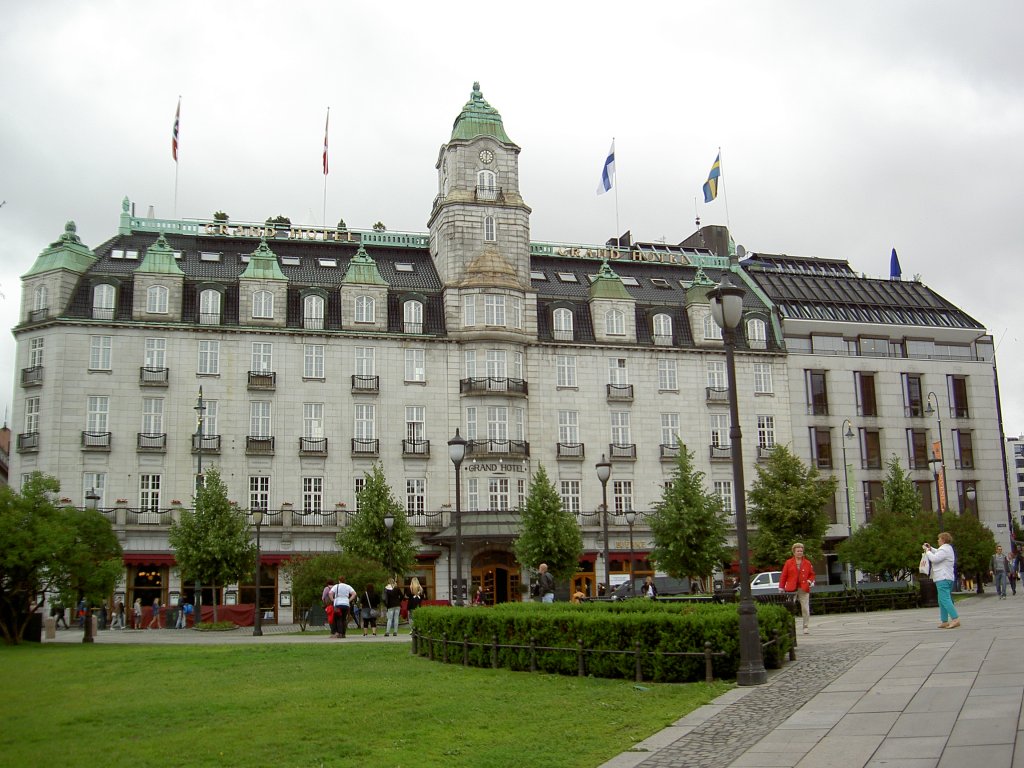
(50,626)
(929,594)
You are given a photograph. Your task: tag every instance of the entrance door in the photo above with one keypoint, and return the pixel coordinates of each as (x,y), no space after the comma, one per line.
(498,574)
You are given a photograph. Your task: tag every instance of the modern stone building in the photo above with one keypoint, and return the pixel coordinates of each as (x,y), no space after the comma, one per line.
(318,352)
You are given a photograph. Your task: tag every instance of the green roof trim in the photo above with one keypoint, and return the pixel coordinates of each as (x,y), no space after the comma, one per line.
(363,270)
(67,252)
(478,118)
(607,284)
(159,259)
(697,293)
(263,264)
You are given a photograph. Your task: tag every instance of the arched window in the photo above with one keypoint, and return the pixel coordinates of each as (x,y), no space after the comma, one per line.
(412,316)
(489,234)
(662,325)
(313,312)
(486,185)
(156,299)
(711,329)
(209,307)
(756,333)
(365,308)
(103,302)
(263,305)
(41,300)
(562,319)
(615,322)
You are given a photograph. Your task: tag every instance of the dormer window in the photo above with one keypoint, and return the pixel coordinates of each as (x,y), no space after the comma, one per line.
(365,308)
(563,324)
(209,307)
(711,329)
(156,299)
(412,316)
(615,322)
(489,234)
(40,300)
(103,302)
(662,327)
(313,313)
(262,305)
(756,333)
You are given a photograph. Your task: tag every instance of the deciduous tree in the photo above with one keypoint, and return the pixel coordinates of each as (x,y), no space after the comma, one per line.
(548,533)
(366,534)
(309,575)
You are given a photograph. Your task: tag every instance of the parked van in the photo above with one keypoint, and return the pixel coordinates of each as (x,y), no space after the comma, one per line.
(666,585)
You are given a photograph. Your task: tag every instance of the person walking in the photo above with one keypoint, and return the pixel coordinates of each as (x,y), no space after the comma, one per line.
(328,604)
(117,620)
(798,578)
(943,561)
(137,613)
(369,608)
(415,598)
(156,614)
(342,596)
(998,569)
(58,613)
(1014,573)
(547,584)
(393,606)
(179,620)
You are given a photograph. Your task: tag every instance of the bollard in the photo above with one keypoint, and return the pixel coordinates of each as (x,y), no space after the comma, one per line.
(415,641)
(494,653)
(792,645)
(582,671)
(639,669)
(430,648)
(533,654)
(444,647)
(709,673)
(50,628)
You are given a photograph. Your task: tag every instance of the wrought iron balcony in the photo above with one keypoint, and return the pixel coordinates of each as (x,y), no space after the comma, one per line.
(569,450)
(497,385)
(154,377)
(152,441)
(37,315)
(262,380)
(490,194)
(366,384)
(32,377)
(764,452)
(416,448)
(206,443)
(313,323)
(209,318)
(669,452)
(626,451)
(518,449)
(312,446)
(566,334)
(720,452)
(28,442)
(96,441)
(717,394)
(259,445)
(662,340)
(620,391)
(409,326)
(364,446)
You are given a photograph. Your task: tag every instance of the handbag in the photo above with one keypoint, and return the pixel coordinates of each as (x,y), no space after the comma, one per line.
(925,567)
(373,611)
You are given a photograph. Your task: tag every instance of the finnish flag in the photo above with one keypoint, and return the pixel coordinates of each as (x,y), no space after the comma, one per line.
(608,172)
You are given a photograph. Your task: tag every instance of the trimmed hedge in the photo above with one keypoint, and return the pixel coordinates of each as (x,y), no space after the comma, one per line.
(659,628)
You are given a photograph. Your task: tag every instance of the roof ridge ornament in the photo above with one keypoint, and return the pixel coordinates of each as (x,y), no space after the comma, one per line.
(479,118)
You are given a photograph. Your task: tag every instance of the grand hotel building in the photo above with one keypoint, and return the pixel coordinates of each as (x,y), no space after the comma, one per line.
(319,352)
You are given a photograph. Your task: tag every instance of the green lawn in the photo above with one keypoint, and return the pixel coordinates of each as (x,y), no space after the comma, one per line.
(315,705)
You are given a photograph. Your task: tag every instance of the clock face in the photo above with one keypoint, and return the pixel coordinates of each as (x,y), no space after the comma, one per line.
(486,156)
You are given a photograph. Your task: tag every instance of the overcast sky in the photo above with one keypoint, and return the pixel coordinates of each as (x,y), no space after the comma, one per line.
(845,131)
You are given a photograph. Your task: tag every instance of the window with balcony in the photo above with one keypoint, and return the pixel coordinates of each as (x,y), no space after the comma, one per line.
(416,499)
(765,435)
(821,447)
(103,296)
(149,496)
(913,397)
(963,443)
(669,447)
(870,449)
(662,328)
(313,312)
(412,316)
(716,375)
(97,412)
(415,442)
(622,496)
(259,439)
(562,321)
(723,490)
(259,492)
(364,438)
(957,386)
(817,393)
(864,384)
(40,303)
(719,423)
(619,387)
(757,334)
(486,185)
(569,490)
(621,433)
(209,307)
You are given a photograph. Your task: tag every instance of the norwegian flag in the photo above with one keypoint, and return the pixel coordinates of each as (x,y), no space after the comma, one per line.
(174,133)
(326,124)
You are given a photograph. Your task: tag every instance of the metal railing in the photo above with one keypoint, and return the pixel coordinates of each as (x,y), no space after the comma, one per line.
(622,451)
(365,383)
(151,441)
(416,448)
(364,446)
(96,441)
(262,380)
(569,450)
(32,377)
(316,446)
(154,377)
(509,448)
(493,384)
(258,445)
(619,391)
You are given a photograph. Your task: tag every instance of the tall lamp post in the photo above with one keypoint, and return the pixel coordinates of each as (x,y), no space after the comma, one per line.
(971,495)
(944,498)
(457,452)
(389,523)
(727,311)
(936,465)
(604,471)
(91,502)
(200,410)
(257,624)
(847,434)
(630,519)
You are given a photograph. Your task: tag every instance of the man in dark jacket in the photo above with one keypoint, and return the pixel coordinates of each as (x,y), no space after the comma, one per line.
(547,584)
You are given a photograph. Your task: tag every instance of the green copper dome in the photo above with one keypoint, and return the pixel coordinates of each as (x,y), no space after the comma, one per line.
(607,285)
(478,118)
(67,252)
(263,264)
(363,270)
(159,259)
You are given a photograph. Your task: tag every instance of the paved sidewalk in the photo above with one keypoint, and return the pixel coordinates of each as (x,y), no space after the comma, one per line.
(873,689)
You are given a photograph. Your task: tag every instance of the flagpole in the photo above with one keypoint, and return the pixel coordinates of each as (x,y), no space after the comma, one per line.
(725,191)
(177,116)
(326,125)
(618,242)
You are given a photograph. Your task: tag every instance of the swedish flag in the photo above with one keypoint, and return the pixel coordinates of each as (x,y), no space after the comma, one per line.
(711,185)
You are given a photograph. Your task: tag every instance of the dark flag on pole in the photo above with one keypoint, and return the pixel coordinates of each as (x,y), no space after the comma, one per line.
(174,133)
(326,124)
(894,267)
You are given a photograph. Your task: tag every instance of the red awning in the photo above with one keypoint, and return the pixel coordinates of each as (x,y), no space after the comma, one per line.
(149,558)
(276,558)
(427,555)
(588,557)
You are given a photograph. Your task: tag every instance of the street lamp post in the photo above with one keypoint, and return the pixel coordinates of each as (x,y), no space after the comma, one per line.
(727,311)
(91,502)
(936,466)
(200,410)
(389,523)
(257,624)
(457,452)
(847,434)
(943,499)
(604,471)
(630,519)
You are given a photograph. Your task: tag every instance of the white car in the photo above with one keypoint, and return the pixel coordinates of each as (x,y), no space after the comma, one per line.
(766,582)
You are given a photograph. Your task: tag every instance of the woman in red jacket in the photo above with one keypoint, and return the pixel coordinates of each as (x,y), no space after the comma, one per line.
(798,576)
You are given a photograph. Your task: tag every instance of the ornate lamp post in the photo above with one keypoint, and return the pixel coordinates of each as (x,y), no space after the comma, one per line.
(936,465)
(971,495)
(847,434)
(630,519)
(200,410)
(257,624)
(727,311)
(457,452)
(91,502)
(943,499)
(604,471)
(389,523)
